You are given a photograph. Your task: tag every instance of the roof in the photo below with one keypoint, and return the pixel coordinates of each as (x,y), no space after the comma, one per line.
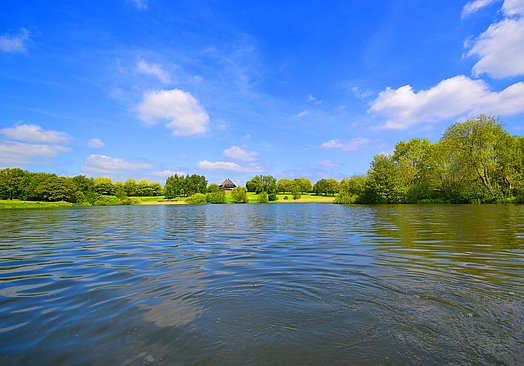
(228,183)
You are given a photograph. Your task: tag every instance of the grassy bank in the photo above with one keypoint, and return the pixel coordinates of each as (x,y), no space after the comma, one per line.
(31,204)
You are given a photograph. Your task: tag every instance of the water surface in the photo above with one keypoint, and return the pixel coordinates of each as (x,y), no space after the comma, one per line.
(278,284)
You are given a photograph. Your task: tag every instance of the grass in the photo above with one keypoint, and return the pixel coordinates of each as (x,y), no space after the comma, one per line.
(31,204)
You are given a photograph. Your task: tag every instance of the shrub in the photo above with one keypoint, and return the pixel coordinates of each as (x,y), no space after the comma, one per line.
(345,198)
(196,199)
(216,197)
(131,201)
(239,195)
(272,197)
(107,201)
(262,197)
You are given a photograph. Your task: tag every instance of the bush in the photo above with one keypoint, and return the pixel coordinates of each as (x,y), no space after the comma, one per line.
(131,201)
(216,197)
(272,197)
(345,199)
(196,199)
(262,197)
(239,195)
(107,201)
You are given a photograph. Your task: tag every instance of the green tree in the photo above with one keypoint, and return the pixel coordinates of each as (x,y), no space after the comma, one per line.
(196,199)
(11,180)
(262,183)
(263,197)
(285,185)
(104,186)
(384,181)
(156,189)
(175,186)
(239,195)
(130,187)
(55,189)
(218,196)
(143,189)
(304,185)
(475,140)
(120,191)
(320,187)
(195,184)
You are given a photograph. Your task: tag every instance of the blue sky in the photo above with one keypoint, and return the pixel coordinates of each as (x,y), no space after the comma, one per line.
(150,88)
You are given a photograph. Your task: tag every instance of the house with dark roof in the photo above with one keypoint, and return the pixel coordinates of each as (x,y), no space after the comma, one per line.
(227,185)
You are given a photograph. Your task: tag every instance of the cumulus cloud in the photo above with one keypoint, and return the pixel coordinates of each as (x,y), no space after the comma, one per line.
(500,48)
(302,114)
(34,133)
(153,69)
(226,166)
(450,98)
(95,143)
(474,6)
(20,153)
(101,164)
(14,41)
(183,113)
(354,144)
(237,153)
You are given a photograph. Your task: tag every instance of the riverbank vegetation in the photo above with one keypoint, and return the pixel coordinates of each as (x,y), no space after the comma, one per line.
(475,161)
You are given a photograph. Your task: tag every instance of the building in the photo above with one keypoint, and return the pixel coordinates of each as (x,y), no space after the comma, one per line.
(227,185)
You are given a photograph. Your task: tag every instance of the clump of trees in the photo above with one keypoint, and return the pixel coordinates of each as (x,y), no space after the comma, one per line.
(16,183)
(475,161)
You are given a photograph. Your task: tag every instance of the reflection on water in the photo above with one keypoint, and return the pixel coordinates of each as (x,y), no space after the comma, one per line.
(263,284)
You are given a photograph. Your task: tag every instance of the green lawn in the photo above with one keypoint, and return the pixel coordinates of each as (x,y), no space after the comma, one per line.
(31,204)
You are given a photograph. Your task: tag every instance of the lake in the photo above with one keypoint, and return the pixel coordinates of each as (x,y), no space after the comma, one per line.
(255,284)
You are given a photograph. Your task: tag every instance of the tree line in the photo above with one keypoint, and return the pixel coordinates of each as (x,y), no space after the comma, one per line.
(475,161)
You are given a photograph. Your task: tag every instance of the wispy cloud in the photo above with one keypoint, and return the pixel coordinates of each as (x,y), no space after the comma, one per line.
(450,98)
(140,4)
(474,6)
(302,114)
(183,113)
(34,133)
(327,163)
(237,153)
(166,173)
(501,47)
(157,70)
(101,164)
(354,144)
(14,41)
(227,166)
(312,99)
(95,143)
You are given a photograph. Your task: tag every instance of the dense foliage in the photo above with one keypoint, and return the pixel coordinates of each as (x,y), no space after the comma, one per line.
(475,161)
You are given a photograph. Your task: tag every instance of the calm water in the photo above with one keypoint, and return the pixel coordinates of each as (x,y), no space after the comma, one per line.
(286,284)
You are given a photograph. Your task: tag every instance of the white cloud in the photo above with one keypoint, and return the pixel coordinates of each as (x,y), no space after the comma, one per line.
(354,144)
(302,114)
(14,42)
(182,111)
(328,163)
(474,6)
(153,69)
(140,4)
(34,133)
(501,47)
(450,98)
(311,98)
(95,143)
(227,166)
(166,173)
(19,153)
(237,153)
(513,7)
(101,164)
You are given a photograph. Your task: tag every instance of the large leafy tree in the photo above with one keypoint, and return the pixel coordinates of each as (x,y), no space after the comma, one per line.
(304,184)
(262,183)
(55,188)
(11,180)
(384,183)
